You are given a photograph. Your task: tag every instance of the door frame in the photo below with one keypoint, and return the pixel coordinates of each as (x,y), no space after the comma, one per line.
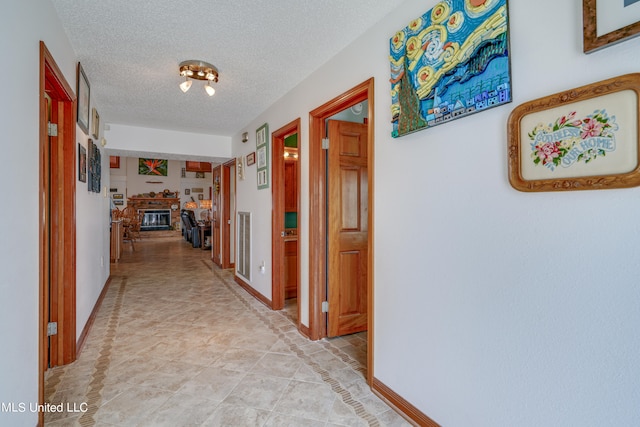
(57,221)
(277,213)
(318,216)
(227,232)
(216,216)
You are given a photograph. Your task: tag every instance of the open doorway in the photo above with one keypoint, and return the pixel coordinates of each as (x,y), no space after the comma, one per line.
(339,213)
(285,218)
(57,230)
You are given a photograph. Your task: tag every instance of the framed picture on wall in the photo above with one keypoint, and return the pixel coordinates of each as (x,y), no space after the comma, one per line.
(83,91)
(585,138)
(262,152)
(251,158)
(607,22)
(448,63)
(82,163)
(95,123)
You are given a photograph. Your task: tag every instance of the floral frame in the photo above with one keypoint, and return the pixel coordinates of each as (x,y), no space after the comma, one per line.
(582,139)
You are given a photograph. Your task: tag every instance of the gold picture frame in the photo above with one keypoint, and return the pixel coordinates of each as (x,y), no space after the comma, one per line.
(95,123)
(626,12)
(582,139)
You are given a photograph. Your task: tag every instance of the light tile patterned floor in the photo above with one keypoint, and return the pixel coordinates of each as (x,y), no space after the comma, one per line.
(177,343)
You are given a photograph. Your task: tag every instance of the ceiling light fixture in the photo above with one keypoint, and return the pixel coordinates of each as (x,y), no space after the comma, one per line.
(198,70)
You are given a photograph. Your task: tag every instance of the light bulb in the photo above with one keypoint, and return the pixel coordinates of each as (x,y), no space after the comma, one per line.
(210,90)
(185,85)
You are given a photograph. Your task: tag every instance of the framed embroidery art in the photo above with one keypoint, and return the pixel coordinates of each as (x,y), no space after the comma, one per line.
(448,63)
(582,139)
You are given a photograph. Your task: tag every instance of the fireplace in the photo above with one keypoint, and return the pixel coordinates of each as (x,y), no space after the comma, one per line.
(156,219)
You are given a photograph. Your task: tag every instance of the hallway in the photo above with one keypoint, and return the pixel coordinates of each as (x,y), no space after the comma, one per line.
(177,343)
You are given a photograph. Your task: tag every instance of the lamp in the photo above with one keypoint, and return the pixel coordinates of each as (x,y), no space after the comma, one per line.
(198,70)
(206,205)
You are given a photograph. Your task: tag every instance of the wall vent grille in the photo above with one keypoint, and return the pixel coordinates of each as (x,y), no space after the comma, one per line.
(243,266)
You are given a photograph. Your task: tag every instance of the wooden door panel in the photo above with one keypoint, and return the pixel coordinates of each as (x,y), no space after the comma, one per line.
(347,228)
(216,218)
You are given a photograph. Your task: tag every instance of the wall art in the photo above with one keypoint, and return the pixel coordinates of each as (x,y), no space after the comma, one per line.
(450,62)
(83,92)
(581,139)
(82,163)
(607,22)
(262,152)
(251,158)
(156,167)
(94,165)
(95,123)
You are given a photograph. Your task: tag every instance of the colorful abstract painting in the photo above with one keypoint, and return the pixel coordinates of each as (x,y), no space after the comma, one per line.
(450,62)
(157,167)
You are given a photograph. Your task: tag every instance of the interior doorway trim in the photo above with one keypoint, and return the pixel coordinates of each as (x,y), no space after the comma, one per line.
(228,215)
(57,223)
(318,215)
(277,214)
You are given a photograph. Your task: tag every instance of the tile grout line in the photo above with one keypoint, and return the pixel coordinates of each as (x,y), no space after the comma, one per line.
(335,385)
(103,361)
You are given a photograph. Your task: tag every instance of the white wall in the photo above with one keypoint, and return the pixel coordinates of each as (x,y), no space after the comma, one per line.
(93,255)
(493,307)
(176,143)
(22,25)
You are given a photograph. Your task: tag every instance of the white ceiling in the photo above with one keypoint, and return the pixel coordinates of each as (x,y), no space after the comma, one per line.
(130,51)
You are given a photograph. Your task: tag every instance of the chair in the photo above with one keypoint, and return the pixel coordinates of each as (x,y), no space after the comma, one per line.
(190,227)
(130,225)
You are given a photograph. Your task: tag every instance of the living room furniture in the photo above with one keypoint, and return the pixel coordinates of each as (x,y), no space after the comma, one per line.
(190,230)
(116,240)
(205,231)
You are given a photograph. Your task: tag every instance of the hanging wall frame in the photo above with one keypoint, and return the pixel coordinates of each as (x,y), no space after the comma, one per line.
(448,63)
(581,139)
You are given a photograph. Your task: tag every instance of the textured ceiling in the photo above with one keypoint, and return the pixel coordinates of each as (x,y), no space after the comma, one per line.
(130,51)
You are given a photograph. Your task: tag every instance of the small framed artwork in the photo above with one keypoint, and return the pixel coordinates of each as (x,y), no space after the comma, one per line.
(118,202)
(118,196)
(187,191)
(581,139)
(199,174)
(157,167)
(251,158)
(262,157)
(607,22)
(95,123)
(200,196)
(82,163)
(262,152)
(262,178)
(261,135)
(197,190)
(83,92)
(114,162)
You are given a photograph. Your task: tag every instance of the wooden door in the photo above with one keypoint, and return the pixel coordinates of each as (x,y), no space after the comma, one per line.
(227,190)
(347,228)
(216,219)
